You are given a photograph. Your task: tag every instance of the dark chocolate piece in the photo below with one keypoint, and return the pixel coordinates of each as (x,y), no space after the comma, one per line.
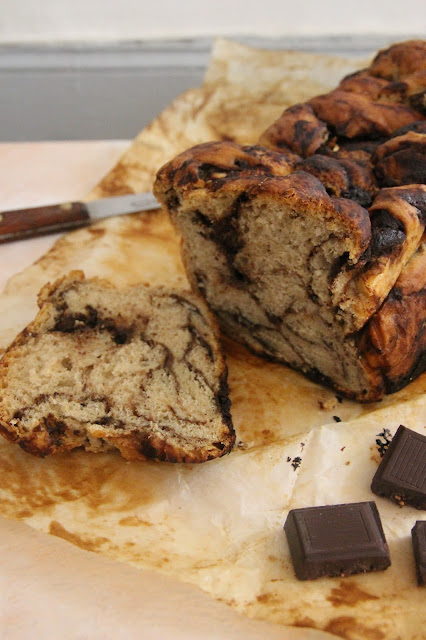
(401,475)
(336,540)
(418,534)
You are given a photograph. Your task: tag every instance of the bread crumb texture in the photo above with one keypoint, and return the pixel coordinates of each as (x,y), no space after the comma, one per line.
(137,369)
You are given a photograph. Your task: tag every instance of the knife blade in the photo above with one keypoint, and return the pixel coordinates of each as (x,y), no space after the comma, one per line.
(26,223)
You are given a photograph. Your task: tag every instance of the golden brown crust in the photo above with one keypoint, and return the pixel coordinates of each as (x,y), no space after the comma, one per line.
(367,108)
(298,129)
(344,175)
(394,341)
(399,60)
(401,160)
(411,91)
(397,226)
(406,204)
(213,161)
(354,115)
(364,83)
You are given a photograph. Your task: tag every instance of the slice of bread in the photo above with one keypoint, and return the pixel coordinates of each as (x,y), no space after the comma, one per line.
(137,369)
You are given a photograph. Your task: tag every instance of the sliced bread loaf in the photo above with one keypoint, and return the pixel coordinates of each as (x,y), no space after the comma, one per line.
(310,247)
(137,369)
(297,275)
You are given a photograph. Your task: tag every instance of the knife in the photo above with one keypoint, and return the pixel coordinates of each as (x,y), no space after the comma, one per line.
(30,222)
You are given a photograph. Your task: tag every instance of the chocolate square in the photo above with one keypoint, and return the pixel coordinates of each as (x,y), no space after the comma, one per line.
(336,540)
(401,475)
(418,534)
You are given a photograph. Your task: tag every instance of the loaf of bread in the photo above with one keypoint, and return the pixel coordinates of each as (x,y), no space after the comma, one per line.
(281,243)
(137,369)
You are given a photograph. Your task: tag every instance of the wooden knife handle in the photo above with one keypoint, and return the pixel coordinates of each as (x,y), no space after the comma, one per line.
(27,223)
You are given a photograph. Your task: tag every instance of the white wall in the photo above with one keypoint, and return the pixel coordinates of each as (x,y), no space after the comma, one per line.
(111,20)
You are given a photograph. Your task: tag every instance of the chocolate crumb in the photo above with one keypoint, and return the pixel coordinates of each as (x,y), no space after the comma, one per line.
(296,462)
(383,441)
(328,404)
(337,419)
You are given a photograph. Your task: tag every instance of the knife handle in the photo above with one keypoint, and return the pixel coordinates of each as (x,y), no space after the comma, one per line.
(27,223)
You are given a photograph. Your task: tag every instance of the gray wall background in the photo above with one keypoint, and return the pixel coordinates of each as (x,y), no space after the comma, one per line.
(111,91)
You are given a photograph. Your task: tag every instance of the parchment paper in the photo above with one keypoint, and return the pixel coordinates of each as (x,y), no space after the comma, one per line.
(218,525)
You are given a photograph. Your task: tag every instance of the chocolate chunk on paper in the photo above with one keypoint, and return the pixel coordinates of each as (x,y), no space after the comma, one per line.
(336,540)
(418,533)
(401,475)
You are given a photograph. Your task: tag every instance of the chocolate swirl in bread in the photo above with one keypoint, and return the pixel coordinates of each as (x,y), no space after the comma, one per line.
(314,255)
(138,369)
